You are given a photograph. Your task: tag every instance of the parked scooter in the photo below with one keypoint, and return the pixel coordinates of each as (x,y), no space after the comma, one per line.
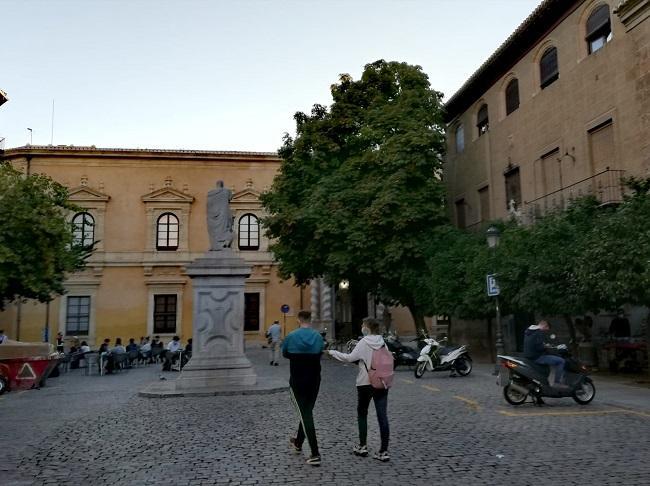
(522,378)
(436,357)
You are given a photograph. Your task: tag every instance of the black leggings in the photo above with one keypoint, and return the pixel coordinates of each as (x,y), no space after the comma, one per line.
(366,393)
(304,398)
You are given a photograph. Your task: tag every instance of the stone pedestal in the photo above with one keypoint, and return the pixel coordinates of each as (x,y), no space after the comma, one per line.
(218,361)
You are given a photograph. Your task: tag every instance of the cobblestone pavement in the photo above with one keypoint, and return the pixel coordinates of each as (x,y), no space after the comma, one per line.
(96,430)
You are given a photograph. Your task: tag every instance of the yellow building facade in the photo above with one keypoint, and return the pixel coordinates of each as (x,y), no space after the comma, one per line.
(146,209)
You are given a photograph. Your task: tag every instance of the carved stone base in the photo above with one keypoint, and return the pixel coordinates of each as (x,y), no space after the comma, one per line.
(218,361)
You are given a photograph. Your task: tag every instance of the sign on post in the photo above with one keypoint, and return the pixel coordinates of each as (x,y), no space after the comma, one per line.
(492,286)
(285,309)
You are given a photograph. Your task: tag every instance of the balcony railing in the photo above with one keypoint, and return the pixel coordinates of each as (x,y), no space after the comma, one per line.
(606,187)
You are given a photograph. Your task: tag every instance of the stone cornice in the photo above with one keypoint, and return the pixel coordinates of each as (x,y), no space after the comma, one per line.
(633,12)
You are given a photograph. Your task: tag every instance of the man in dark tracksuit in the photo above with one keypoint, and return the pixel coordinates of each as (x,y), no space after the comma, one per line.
(303,347)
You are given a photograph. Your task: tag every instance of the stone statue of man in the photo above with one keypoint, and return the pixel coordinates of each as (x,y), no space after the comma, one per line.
(219,217)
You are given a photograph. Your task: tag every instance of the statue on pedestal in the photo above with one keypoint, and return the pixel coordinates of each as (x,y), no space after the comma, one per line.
(219,217)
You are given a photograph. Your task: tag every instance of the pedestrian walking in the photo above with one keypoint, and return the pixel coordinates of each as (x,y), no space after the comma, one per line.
(303,347)
(363,353)
(273,335)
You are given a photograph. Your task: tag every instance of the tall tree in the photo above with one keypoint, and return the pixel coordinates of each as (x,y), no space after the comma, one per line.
(36,240)
(359,186)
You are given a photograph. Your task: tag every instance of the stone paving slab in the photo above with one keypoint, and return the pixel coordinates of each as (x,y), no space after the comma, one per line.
(92,430)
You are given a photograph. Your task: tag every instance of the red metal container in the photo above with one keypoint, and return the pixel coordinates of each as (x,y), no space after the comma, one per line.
(25,365)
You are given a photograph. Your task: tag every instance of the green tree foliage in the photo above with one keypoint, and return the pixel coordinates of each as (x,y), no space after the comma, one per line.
(359,186)
(36,248)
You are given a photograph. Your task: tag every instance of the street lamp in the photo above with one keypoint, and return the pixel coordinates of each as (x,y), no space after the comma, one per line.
(344,285)
(493,236)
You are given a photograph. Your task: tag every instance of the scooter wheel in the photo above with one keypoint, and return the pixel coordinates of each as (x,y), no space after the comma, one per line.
(463,366)
(512,396)
(585,393)
(3,385)
(420,368)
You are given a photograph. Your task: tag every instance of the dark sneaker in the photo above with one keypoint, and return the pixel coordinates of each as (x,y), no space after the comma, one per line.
(314,461)
(382,456)
(360,450)
(276,364)
(271,363)
(294,445)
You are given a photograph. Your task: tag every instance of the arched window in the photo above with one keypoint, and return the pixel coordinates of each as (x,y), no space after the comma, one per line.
(482,120)
(599,28)
(249,232)
(460,139)
(83,231)
(512,96)
(548,71)
(167,232)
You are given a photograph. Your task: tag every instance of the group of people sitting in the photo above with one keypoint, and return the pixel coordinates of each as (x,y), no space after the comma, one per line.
(146,351)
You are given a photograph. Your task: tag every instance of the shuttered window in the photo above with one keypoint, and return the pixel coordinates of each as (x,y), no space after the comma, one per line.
(512,96)
(599,28)
(460,213)
(548,70)
(484,201)
(601,144)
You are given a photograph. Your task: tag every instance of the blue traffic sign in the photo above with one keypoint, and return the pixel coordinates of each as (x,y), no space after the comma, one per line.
(492,286)
(284,309)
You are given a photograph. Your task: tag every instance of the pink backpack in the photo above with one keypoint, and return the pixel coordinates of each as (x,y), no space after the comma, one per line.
(381,370)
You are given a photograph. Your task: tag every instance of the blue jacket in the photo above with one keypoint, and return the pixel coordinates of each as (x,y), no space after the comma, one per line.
(303,348)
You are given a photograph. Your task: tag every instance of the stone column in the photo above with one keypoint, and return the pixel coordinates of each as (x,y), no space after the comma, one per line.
(326,306)
(218,361)
(315,301)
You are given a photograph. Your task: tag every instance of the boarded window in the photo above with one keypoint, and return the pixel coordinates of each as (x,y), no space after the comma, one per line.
(251,311)
(164,314)
(513,188)
(548,70)
(551,176)
(599,28)
(482,120)
(484,201)
(601,144)
(77,315)
(512,96)
(460,213)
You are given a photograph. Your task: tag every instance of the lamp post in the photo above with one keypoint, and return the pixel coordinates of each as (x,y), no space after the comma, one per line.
(492,236)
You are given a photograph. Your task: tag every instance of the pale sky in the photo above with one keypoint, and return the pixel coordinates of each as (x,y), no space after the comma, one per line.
(218,75)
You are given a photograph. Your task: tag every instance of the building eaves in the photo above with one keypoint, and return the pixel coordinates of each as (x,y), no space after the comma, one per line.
(102,151)
(536,26)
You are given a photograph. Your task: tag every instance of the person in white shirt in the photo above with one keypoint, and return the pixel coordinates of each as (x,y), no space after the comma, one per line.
(175,347)
(84,348)
(273,335)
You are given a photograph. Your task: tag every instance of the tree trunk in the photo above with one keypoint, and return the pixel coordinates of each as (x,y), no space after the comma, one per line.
(572,333)
(418,320)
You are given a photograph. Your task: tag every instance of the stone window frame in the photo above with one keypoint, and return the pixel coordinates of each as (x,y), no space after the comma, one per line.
(94,203)
(80,289)
(482,125)
(164,288)
(587,10)
(167,200)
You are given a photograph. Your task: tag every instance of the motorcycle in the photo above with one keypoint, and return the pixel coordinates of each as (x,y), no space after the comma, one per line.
(522,378)
(436,357)
(402,354)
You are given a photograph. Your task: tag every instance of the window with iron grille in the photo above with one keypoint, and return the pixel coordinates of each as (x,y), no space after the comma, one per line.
(512,96)
(83,229)
(77,315)
(249,232)
(164,314)
(167,232)
(548,69)
(482,120)
(599,28)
